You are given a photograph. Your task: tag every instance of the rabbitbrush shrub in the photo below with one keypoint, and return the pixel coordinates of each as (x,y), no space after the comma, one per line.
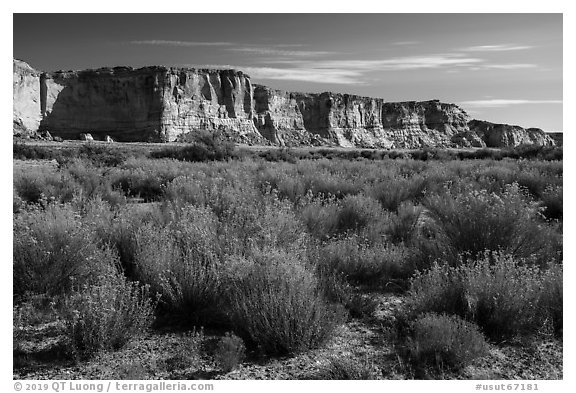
(276,304)
(361,263)
(41,184)
(355,212)
(474,221)
(396,190)
(444,342)
(107,315)
(180,261)
(503,295)
(54,249)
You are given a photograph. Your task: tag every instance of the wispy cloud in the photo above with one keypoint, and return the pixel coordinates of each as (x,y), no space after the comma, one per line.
(350,71)
(300,68)
(509,66)
(179,43)
(289,45)
(336,76)
(391,64)
(498,103)
(495,48)
(279,52)
(243,48)
(403,43)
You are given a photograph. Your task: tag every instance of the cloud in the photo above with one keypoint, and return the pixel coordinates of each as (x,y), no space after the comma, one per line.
(495,48)
(336,76)
(289,45)
(402,43)
(179,43)
(498,103)
(345,77)
(349,71)
(509,66)
(278,52)
(354,71)
(392,64)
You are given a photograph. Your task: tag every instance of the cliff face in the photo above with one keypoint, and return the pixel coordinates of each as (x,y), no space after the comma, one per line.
(557,137)
(120,102)
(146,104)
(505,135)
(168,104)
(349,120)
(208,100)
(26,96)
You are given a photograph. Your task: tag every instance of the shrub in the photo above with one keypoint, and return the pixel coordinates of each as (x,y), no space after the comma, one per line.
(42,185)
(356,212)
(277,227)
(146,178)
(102,155)
(292,188)
(361,306)
(276,304)
(29,188)
(23,151)
(475,221)
(403,224)
(533,151)
(93,183)
(506,297)
(52,249)
(207,146)
(396,190)
(17,202)
(180,262)
(552,202)
(326,184)
(230,352)
(184,189)
(361,263)
(330,217)
(444,342)
(550,302)
(107,315)
(320,218)
(282,154)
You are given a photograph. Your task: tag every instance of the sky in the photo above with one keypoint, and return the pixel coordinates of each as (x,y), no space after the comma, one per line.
(504,68)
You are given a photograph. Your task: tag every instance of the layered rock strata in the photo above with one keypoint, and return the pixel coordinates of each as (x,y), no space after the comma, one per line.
(350,120)
(505,135)
(146,104)
(26,98)
(168,104)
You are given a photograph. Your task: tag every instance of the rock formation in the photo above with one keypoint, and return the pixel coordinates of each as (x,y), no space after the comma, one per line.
(146,104)
(26,96)
(505,135)
(558,138)
(350,120)
(166,104)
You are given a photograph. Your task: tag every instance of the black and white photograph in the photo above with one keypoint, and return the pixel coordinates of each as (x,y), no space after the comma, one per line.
(287,196)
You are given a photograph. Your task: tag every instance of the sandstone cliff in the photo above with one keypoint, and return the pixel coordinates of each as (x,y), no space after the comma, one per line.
(350,120)
(146,104)
(168,104)
(557,137)
(505,135)
(26,98)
